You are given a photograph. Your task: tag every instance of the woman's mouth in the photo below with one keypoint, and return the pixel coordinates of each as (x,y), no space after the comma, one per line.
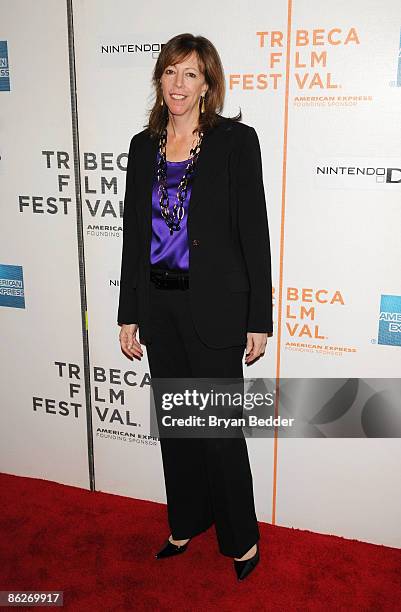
(177,97)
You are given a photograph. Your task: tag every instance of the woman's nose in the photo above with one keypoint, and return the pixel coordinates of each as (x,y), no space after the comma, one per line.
(178,80)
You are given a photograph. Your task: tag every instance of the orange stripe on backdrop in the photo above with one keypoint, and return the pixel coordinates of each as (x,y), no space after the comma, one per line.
(281,260)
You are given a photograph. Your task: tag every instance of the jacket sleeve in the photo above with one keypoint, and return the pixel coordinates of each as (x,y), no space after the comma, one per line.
(127,308)
(254,233)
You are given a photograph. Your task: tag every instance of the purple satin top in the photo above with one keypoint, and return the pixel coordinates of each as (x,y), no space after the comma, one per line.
(170,252)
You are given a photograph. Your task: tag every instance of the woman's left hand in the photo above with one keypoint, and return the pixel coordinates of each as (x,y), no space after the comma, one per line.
(255,345)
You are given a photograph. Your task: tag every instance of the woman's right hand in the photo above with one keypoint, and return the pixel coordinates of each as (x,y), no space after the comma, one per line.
(129,344)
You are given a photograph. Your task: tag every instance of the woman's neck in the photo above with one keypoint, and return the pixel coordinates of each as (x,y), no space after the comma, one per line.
(181,128)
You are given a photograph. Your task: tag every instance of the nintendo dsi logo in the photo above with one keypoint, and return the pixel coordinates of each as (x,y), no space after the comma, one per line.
(4,68)
(390,320)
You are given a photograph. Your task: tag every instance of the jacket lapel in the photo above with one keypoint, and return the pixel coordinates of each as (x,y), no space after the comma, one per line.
(206,166)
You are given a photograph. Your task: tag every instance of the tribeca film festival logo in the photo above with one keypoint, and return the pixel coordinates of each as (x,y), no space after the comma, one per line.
(4,67)
(65,408)
(302,324)
(110,404)
(390,320)
(58,161)
(308,63)
(109,400)
(96,186)
(309,60)
(12,286)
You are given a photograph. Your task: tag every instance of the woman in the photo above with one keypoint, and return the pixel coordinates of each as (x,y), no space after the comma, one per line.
(196,280)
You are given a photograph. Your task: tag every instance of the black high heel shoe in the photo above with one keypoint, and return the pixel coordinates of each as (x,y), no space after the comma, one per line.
(171,549)
(244,568)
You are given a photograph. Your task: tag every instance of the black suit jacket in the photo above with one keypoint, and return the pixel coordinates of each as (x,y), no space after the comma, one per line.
(228,237)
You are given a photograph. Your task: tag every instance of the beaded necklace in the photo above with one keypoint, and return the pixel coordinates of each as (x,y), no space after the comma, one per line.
(173,219)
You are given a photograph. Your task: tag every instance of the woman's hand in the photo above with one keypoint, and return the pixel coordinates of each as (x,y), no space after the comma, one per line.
(255,345)
(129,344)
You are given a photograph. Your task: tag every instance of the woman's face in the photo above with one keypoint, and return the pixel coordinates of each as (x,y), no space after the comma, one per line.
(186,80)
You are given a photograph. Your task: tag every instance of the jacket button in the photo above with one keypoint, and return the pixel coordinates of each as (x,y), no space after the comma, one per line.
(195,242)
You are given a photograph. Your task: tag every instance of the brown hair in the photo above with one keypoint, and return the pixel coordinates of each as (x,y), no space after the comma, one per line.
(175,50)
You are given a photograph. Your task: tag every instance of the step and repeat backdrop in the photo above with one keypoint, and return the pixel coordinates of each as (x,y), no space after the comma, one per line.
(321,84)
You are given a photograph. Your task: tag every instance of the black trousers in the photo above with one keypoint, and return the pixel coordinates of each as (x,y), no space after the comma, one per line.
(208,480)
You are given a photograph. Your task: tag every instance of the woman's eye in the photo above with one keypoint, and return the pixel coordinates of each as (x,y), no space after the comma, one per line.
(170,70)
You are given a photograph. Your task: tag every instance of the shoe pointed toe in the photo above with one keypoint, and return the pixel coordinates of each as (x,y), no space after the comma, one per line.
(244,568)
(169,550)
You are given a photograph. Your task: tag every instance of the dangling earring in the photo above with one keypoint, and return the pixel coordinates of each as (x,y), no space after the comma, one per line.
(203,104)
(161,103)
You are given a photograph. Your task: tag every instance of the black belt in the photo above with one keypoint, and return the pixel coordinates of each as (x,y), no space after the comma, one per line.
(169,279)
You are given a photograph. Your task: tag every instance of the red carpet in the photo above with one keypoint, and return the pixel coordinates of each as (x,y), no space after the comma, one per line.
(99,549)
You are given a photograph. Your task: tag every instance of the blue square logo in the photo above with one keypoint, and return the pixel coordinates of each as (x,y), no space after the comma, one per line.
(390,320)
(4,68)
(11,286)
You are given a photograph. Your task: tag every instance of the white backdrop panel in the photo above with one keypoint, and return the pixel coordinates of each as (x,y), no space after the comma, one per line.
(39,438)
